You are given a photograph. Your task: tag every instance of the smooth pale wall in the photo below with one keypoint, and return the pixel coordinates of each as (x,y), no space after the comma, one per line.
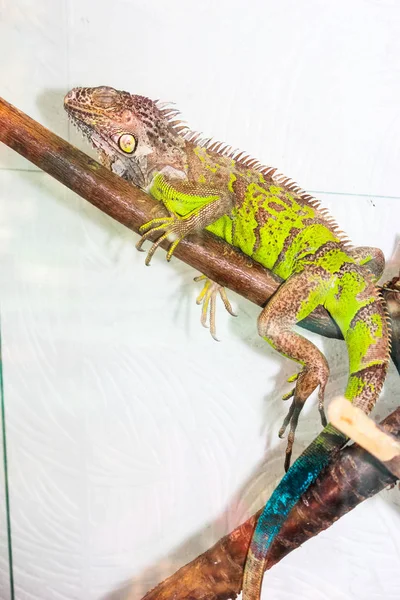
(134,440)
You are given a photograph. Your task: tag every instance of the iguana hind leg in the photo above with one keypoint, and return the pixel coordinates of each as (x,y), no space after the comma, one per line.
(370,257)
(294,300)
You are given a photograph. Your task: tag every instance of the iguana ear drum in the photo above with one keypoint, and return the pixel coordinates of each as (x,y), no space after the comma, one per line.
(127,143)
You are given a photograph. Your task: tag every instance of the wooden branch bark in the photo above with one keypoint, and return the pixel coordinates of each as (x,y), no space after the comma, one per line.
(363,430)
(218,572)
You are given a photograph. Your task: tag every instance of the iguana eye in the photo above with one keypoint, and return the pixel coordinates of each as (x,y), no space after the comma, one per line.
(127,143)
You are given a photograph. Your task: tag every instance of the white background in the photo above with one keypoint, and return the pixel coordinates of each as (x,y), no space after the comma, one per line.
(134,440)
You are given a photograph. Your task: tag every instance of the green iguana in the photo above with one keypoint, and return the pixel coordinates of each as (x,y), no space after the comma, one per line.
(207,185)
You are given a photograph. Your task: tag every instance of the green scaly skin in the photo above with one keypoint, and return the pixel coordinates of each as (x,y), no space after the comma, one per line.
(205,185)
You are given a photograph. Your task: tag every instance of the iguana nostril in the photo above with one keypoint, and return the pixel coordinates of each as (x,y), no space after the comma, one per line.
(70,96)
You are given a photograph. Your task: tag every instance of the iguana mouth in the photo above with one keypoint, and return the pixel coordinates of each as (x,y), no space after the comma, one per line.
(88,133)
(80,117)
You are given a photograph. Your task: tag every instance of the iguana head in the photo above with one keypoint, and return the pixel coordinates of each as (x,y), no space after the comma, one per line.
(127,128)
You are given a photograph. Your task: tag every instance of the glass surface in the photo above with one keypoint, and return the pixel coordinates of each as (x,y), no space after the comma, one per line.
(134,441)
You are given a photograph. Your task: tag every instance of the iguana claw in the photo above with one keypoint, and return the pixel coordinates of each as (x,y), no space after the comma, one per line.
(208,298)
(172,228)
(306,382)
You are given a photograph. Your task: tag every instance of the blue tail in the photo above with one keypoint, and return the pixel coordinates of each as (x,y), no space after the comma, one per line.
(296,481)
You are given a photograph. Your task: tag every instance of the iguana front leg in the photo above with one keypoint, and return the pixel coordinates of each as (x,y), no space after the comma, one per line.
(294,300)
(191,207)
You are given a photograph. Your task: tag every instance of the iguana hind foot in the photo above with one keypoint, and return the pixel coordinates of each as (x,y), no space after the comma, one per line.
(307,380)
